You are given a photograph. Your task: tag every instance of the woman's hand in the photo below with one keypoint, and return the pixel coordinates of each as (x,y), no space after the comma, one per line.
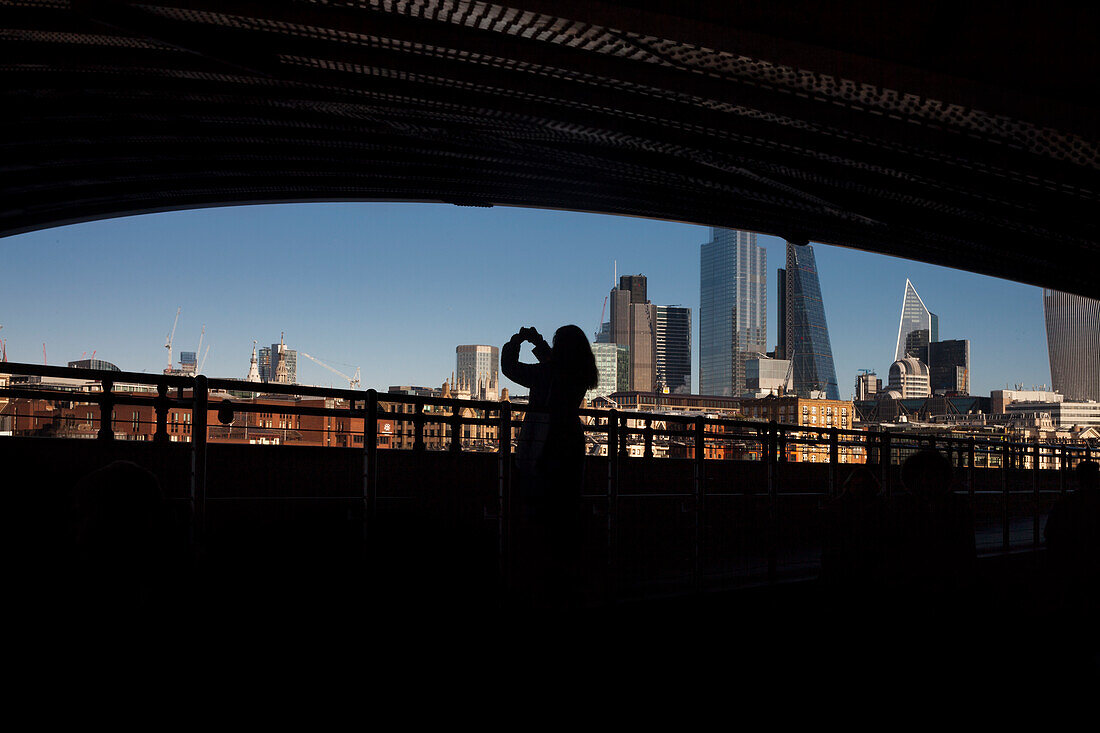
(528,333)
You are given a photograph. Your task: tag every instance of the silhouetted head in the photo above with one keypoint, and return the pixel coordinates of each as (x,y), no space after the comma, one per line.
(119,511)
(861,484)
(573,354)
(927,473)
(1088,476)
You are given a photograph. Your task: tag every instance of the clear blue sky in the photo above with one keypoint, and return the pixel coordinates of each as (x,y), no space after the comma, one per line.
(393,288)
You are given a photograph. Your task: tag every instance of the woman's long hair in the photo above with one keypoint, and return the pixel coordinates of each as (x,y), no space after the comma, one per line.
(573,356)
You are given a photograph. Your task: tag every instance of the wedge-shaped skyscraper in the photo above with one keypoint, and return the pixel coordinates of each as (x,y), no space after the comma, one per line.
(803,329)
(1073,343)
(918,328)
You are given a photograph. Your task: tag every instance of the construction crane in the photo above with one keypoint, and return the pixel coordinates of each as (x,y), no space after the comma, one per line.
(352,381)
(172,335)
(603,311)
(203,362)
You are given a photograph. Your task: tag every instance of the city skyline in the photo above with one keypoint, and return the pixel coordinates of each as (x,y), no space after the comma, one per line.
(371,285)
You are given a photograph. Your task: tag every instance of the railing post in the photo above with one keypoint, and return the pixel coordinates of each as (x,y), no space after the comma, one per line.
(778,444)
(198,455)
(970,469)
(504,492)
(1062,467)
(418,426)
(161,406)
(884,456)
(456,428)
(612,501)
(1005,459)
(700,494)
(370,462)
(612,455)
(106,412)
(834,460)
(1035,487)
(648,437)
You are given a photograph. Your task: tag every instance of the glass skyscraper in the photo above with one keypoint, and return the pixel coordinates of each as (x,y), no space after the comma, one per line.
(672,355)
(613,364)
(918,328)
(1073,343)
(733,307)
(804,327)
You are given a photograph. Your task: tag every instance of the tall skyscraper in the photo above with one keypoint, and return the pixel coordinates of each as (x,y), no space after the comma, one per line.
(949,366)
(672,356)
(733,307)
(633,324)
(805,330)
(478,365)
(1073,344)
(915,318)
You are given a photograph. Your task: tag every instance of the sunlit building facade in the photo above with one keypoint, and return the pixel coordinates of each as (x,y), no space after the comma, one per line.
(1073,344)
(613,364)
(733,308)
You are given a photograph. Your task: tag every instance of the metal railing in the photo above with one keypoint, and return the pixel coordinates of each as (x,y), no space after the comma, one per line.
(773,445)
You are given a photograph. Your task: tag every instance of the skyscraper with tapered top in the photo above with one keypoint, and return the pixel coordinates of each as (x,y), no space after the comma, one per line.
(804,329)
(733,307)
(918,327)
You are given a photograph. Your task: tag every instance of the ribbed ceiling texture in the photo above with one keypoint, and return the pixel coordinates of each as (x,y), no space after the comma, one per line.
(963,134)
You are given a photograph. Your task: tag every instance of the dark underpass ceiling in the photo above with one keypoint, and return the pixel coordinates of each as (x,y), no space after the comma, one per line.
(954,133)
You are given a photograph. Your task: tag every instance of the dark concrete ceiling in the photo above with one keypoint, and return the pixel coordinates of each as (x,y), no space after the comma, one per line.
(963,134)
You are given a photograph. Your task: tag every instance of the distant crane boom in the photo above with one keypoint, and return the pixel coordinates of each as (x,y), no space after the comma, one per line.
(201,365)
(352,381)
(172,335)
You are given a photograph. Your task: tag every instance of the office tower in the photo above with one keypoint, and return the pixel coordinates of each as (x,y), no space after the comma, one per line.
(915,317)
(189,362)
(909,378)
(949,366)
(672,357)
(603,336)
(633,324)
(613,364)
(765,376)
(1073,344)
(781,315)
(868,386)
(733,306)
(806,332)
(478,365)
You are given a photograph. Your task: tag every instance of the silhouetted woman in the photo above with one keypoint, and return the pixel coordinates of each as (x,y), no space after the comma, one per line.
(550,452)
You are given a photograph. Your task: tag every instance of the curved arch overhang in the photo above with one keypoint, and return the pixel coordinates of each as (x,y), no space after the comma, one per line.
(962,136)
